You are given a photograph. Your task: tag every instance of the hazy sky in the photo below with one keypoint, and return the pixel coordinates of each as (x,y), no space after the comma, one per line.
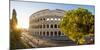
(25,9)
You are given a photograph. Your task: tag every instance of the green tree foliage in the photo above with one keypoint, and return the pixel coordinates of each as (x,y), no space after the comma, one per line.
(77,24)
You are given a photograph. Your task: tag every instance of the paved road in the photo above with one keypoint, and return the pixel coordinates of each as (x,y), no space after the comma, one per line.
(36,42)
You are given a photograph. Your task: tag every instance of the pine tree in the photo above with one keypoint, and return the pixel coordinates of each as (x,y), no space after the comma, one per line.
(13,20)
(14,32)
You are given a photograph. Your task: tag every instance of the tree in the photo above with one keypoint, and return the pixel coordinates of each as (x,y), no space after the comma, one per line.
(13,21)
(14,32)
(77,24)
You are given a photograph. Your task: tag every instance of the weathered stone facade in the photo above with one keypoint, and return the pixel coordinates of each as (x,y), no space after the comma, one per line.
(45,23)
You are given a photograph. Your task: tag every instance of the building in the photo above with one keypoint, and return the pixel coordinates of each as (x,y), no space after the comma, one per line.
(45,24)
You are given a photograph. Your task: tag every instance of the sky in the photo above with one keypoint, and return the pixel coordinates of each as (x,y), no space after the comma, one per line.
(26,9)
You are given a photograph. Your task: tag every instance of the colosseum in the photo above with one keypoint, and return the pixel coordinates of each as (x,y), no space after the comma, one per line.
(45,24)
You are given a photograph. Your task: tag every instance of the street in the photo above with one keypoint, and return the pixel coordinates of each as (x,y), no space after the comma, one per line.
(36,42)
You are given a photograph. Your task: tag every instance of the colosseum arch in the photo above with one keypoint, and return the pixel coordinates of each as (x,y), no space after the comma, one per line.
(51,26)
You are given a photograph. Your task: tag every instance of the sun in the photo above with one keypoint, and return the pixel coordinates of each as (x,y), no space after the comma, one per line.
(18,26)
(23,26)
